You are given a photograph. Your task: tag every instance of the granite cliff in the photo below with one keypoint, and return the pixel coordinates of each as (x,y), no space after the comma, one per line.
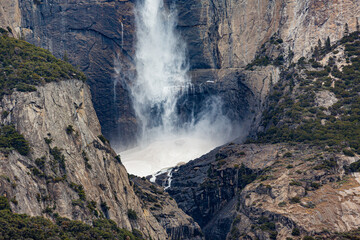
(296,177)
(222,38)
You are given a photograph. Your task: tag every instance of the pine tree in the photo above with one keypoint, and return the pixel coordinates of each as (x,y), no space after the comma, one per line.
(316,53)
(328,44)
(319,44)
(346,30)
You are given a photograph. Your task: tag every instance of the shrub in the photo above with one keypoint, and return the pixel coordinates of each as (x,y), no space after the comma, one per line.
(23,87)
(355,166)
(132,214)
(48,140)
(79,189)
(295,183)
(69,129)
(287,155)
(295,200)
(118,159)
(295,232)
(5,114)
(308,238)
(103,139)
(348,153)
(4,203)
(86,160)
(40,162)
(58,157)
(22,226)
(10,138)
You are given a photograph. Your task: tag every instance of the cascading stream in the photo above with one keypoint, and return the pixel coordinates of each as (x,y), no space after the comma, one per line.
(161,79)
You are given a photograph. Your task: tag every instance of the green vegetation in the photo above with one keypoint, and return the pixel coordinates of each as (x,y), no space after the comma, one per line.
(293,115)
(23,66)
(79,189)
(21,226)
(11,139)
(308,238)
(103,139)
(69,129)
(295,183)
(294,200)
(118,159)
(58,157)
(327,164)
(295,232)
(268,226)
(355,166)
(262,59)
(348,153)
(132,214)
(40,162)
(86,160)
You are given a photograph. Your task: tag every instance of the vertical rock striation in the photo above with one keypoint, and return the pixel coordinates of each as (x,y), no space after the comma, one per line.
(70,172)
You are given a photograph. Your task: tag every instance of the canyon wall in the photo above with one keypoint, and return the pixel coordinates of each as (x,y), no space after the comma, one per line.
(222,38)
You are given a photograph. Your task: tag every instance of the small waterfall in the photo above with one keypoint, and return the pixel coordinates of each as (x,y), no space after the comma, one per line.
(161,81)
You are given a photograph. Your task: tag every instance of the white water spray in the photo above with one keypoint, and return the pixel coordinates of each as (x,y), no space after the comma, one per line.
(161,79)
(161,69)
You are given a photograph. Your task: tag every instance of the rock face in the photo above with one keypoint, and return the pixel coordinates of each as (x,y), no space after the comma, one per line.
(222,38)
(227,34)
(266,191)
(69,172)
(98,37)
(154,199)
(10,16)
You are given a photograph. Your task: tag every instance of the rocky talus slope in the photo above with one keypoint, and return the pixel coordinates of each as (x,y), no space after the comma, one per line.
(158,202)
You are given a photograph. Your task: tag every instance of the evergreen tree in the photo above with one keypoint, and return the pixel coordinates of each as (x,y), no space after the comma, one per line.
(357,25)
(328,44)
(319,44)
(316,53)
(346,30)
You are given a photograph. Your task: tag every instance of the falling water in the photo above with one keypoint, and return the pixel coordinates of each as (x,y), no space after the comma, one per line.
(161,79)
(161,69)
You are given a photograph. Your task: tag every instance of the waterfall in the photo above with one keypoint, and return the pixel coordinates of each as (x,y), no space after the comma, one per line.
(161,69)
(161,81)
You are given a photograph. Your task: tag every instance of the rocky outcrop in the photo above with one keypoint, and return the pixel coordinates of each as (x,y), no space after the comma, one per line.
(266,191)
(70,170)
(10,17)
(154,199)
